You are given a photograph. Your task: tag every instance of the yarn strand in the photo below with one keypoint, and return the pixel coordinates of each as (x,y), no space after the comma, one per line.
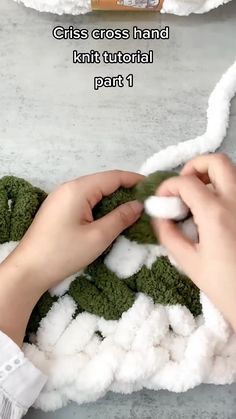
(217,124)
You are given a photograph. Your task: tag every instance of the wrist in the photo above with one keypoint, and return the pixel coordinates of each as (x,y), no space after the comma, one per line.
(19,293)
(17,270)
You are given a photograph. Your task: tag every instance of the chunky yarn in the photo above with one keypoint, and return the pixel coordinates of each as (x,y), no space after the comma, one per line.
(19,202)
(100,291)
(131,319)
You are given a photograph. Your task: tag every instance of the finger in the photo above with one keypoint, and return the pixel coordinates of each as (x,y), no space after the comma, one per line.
(216,169)
(177,244)
(191,190)
(102,184)
(113,224)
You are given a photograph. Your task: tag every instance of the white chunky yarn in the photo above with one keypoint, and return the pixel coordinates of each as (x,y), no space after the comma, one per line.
(217,123)
(60,7)
(76,7)
(186,7)
(137,351)
(166,207)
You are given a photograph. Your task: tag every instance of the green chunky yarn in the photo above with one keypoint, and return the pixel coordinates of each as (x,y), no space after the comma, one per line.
(167,286)
(103,294)
(141,231)
(99,291)
(19,202)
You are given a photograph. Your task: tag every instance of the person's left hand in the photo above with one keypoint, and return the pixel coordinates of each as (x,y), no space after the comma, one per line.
(64,238)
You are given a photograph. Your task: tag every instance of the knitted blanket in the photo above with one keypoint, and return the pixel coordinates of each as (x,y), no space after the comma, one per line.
(131,319)
(75,7)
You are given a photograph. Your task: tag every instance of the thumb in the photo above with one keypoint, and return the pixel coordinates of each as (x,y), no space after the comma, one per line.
(112,224)
(180,247)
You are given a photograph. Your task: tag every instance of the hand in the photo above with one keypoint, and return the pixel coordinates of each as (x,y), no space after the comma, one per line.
(62,240)
(211,263)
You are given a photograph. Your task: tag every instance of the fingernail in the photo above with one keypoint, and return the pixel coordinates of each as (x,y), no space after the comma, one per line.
(137,207)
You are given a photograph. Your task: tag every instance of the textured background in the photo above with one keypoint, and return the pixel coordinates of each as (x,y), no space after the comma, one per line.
(53,127)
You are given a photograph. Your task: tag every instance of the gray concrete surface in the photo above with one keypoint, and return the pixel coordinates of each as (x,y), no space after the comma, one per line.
(53,127)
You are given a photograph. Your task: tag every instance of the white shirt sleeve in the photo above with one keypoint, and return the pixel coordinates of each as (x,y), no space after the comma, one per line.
(20,381)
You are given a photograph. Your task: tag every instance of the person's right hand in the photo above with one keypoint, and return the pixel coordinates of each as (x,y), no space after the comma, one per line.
(211,263)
